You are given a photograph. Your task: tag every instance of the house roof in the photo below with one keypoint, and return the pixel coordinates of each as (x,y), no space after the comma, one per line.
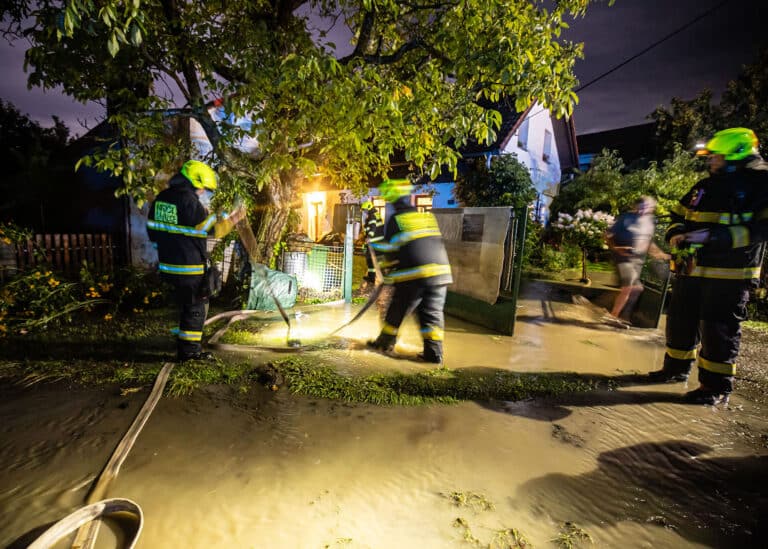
(566,142)
(632,142)
(510,120)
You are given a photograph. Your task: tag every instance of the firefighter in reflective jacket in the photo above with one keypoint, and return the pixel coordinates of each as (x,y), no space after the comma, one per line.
(179,225)
(717,236)
(416,263)
(374,232)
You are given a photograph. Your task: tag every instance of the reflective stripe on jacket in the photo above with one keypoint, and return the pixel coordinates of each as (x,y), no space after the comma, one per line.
(413,247)
(733,206)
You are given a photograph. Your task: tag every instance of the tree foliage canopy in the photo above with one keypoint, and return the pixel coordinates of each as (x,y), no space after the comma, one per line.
(26,149)
(608,187)
(409,79)
(743,104)
(506,183)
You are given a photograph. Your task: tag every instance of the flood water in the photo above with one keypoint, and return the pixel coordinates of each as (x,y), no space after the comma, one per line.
(632,467)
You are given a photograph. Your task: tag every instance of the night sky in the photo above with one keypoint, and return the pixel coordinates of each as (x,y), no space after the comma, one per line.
(705,55)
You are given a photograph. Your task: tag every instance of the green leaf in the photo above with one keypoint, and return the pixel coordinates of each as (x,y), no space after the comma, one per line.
(112,46)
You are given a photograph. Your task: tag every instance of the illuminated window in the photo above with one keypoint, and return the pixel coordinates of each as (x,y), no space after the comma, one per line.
(423,202)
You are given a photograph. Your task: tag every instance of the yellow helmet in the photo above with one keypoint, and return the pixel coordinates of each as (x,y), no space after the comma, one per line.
(733,144)
(200,174)
(393,189)
(367,205)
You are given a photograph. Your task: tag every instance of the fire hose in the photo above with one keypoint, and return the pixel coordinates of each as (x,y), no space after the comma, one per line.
(86,519)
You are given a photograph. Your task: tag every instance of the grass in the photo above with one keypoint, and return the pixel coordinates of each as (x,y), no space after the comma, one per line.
(756,325)
(130,352)
(569,273)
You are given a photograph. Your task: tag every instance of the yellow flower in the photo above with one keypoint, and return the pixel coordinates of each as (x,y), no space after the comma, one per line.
(53,282)
(107,317)
(6,240)
(146,300)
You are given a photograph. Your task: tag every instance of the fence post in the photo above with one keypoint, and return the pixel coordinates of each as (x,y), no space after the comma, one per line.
(520,230)
(349,236)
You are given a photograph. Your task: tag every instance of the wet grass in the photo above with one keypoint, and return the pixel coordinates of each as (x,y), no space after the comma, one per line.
(130,352)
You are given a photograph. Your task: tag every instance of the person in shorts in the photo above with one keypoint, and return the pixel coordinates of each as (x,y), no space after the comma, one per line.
(630,238)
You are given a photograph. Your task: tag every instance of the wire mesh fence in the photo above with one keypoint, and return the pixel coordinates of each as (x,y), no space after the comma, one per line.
(318,269)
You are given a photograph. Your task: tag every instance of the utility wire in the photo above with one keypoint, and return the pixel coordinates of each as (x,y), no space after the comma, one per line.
(659,41)
(646,50)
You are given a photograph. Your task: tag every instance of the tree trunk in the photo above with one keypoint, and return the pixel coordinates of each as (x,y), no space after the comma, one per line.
(273,207)
(584,278)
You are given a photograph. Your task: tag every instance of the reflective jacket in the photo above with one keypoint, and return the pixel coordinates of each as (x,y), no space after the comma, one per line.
(733,206)
(413,247)
(374,226)
(179,225)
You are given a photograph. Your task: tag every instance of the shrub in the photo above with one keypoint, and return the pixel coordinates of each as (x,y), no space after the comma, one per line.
(39,297)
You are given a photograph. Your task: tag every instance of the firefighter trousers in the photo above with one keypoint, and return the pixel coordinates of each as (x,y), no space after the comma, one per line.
(428,302)
(704,325)
(192,312)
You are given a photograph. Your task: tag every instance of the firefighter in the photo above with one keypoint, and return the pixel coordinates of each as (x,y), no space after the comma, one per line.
(416,264)
(179,225)
(717,237)
(374,232)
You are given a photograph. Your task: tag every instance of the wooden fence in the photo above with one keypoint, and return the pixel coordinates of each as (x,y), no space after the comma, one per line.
(66,252)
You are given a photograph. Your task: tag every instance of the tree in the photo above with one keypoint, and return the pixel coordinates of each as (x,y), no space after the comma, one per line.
(687,123)
(609,187)
(586,229)
(26,149)
(600,188)
(743,104)
(410,80)
(506,183)
(745,100)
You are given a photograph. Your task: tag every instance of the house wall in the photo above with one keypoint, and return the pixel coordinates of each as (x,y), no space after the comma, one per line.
(545,174)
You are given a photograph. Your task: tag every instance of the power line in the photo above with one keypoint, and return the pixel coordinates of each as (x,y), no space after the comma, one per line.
(659,41)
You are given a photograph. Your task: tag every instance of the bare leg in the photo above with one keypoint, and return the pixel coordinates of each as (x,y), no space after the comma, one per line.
(621,300)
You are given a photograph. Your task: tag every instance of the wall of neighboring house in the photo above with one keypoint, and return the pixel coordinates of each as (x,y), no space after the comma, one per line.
(534,144)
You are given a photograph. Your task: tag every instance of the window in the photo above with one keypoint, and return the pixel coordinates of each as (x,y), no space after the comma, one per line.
(547,146)
(522,135)
(423,202)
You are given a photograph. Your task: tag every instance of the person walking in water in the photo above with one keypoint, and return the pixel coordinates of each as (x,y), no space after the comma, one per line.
(630,238)
(416,263)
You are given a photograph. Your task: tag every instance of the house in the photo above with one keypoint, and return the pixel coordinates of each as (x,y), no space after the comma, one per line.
(636,145)
(544,144)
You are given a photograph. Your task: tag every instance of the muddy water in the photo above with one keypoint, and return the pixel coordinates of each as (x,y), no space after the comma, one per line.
(633,467)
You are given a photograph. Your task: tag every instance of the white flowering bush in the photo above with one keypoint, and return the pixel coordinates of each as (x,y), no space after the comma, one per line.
(586,229)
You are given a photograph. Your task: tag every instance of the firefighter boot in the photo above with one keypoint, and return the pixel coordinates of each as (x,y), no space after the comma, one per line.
(667,376)
(706,396)
(385,343)
(433,352)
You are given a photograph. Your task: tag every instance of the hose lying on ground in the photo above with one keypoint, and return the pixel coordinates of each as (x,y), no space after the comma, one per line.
(85,515)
